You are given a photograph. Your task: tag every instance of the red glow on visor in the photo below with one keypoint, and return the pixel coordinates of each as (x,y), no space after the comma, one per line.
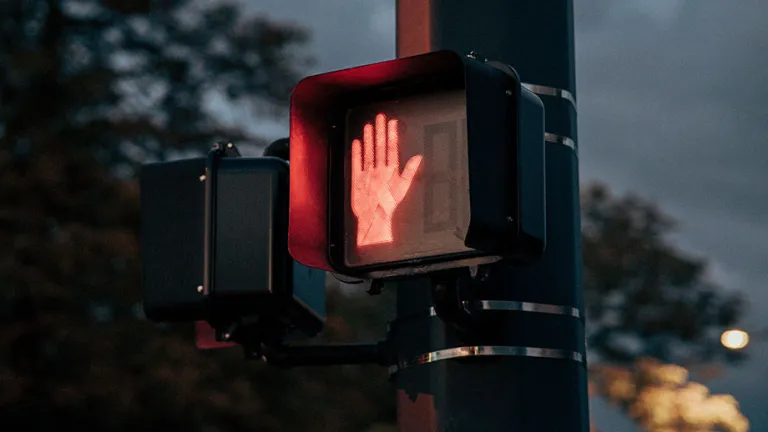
(378,187)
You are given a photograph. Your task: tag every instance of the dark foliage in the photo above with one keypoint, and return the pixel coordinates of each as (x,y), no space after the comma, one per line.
(91,88)
(644,297)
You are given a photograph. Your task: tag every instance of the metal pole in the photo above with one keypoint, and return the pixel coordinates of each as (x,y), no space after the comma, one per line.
(533,375)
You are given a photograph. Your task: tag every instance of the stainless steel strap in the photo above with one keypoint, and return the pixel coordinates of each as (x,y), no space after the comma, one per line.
(487,351)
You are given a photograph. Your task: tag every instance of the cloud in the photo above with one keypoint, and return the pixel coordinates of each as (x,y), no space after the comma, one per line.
(679,114)
(672,104)
(344,33)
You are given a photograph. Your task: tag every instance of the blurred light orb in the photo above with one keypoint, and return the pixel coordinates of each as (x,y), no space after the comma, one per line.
(734,339)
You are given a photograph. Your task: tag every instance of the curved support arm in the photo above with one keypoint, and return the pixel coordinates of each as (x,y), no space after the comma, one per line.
(448,298)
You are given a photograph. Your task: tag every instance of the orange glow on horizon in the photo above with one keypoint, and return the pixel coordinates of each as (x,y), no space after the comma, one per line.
(378,187)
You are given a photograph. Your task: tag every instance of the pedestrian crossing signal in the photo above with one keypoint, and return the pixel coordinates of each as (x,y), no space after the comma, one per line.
(413,165)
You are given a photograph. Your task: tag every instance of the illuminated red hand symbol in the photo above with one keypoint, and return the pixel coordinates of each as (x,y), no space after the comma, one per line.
(378,187)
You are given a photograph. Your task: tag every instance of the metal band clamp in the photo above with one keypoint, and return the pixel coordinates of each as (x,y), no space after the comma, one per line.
(505,305)
(558,139)
(527,307)
(551,91)
(487,351)
(556,92)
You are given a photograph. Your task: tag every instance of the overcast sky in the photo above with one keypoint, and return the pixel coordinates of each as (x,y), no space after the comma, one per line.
(672,105)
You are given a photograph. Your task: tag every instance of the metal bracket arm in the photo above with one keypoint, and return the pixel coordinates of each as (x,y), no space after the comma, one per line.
(325,355)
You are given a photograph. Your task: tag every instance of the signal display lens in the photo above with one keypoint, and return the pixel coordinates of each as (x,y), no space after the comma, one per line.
(406,179)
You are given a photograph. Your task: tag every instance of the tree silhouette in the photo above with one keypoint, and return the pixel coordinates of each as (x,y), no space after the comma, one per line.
(644,297)
(89,89)
(648,305)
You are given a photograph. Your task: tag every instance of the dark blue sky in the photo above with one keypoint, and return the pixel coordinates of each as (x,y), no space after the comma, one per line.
(672,99)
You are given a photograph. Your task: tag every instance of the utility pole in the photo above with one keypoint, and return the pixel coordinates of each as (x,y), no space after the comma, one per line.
(533,373)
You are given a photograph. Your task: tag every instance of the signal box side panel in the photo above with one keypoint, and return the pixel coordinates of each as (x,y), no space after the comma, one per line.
(172,227)
(250,257)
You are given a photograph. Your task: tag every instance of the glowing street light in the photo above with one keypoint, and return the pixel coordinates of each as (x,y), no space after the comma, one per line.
(734,339)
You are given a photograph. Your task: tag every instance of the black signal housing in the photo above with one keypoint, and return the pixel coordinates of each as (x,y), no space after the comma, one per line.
(214,245)
(505,148)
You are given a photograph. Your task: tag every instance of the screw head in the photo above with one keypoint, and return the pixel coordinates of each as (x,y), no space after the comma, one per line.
(202,177)
(200,288)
